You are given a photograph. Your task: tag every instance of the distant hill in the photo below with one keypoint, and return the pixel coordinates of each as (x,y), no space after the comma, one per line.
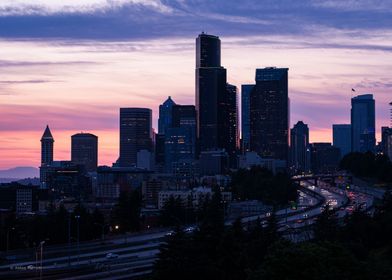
(21,172)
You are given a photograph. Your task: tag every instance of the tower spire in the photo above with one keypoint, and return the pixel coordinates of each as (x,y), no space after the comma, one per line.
(47,134)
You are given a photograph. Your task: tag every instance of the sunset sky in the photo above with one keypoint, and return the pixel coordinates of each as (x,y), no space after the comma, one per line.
(72,64)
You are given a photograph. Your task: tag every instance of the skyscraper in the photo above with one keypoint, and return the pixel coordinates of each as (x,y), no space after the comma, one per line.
(231,124)
(46,156)
(135,134)
(245,116)
(211,94)
(363,123)
(84,150)
(269,113)
(342,138)
(47,147)
(184,115)
(165,115)
(299,147)
(180,138)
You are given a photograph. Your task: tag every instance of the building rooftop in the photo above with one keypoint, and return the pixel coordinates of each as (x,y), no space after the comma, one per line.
(82,134)
(364,96)
(47,134)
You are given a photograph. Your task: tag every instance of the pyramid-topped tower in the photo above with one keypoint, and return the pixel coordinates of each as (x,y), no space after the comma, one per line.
(47,147)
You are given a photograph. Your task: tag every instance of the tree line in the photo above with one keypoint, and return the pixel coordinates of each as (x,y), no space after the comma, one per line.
(259,183)
(357,247)
(368,165)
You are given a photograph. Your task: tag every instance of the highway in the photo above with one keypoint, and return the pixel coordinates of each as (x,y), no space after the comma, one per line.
(133,256)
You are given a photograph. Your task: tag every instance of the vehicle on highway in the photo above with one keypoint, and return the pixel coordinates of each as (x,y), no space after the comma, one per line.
(189,229)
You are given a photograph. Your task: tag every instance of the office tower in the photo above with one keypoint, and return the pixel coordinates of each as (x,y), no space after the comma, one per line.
(231,124)
(386,141)
(84,150)
(245,116)
(47,147)
(342,138)
(184,115)
(46,156)
(178,147)
(324,158)
(269,113)
(165,115)
(299,146)
(211,95)
(135,134)
(363,123)
(159,152)
(180,138)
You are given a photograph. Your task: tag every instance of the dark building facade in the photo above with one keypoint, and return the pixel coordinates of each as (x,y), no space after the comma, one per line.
(84,150)
(47,143)
(363,123)
(215,101)
(245,116)
(213,162)
(180,138)
(269,113)
(299,147)
(184,115)
(19,198)
(135,134)
(324,157)
(165,115)
(159,152)
(232,143)
(111,181)
(67,179)
(386,141)
(342,138)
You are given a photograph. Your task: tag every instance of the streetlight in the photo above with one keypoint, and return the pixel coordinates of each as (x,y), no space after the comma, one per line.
(69,238)
(8,238)
(41,244)
(77,217)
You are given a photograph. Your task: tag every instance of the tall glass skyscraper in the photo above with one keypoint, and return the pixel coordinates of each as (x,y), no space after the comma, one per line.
(245,116)
(363,123)
(165,115)
(342,138)
(269,113)
(215,101)
(231,124)
(299,147)
(180,138)
(135,134)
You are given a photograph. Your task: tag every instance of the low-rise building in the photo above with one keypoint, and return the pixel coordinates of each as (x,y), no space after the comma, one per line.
(113,180)
(250,159)
(191,197)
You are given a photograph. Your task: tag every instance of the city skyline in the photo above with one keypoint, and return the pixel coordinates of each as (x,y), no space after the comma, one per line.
(78,84)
